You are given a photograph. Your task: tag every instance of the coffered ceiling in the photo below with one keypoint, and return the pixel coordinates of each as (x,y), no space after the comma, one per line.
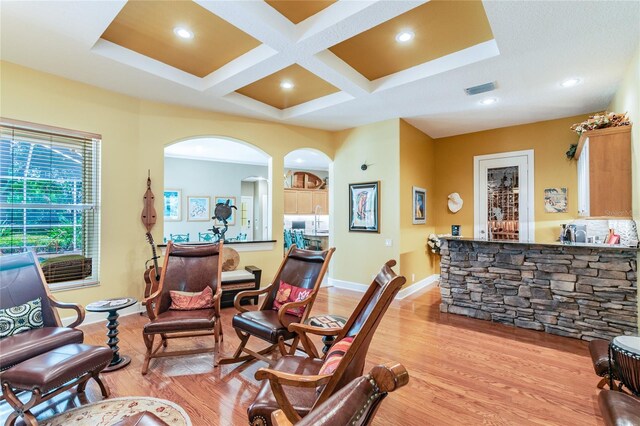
(349,70)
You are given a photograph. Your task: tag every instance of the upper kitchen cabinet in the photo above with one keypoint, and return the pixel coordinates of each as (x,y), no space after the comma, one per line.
(604,172)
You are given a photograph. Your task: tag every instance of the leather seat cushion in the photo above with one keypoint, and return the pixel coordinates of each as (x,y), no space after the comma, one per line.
(265,324)
(144,418)
(175,321)
(302,399)
(21,347)
(599,350)
(619,409)
(54,368)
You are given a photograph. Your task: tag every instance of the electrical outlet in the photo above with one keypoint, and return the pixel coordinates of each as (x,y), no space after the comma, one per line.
(413,278)
(388,242)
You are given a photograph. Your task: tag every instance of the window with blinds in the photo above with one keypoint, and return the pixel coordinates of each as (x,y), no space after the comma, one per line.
(50,199)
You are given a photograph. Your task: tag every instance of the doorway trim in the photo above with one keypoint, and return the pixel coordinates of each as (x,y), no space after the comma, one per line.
(529,154)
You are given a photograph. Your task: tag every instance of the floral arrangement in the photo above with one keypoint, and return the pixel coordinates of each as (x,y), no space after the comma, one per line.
(601,120)
(434,243)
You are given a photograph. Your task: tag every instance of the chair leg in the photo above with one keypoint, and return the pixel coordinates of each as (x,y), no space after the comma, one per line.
(236,356)
(21,409)
(294,346)
(148,341)
(603,382)
(165,341)
(282,347)
(104,388)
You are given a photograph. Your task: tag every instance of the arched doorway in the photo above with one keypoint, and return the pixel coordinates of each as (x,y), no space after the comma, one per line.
(307,207)
(202,171)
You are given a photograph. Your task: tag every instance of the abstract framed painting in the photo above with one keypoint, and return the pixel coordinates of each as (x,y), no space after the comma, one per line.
(419,205)
(364,207)
(198,208)
(172,205)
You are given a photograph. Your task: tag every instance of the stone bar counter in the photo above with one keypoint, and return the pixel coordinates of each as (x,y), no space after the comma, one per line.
(580,291)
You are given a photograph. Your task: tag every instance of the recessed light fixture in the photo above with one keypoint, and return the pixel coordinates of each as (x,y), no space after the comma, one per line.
(287,85)
(404,36)
(488,101)
(570,82)
(183,32)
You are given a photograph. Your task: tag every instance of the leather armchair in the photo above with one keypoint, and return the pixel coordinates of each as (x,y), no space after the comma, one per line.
(191,269)
(22,280)
(294,384)
(300,268)
(357,403)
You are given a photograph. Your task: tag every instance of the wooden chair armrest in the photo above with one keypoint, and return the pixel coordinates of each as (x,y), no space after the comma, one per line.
(78,308)
(282,311)
(318,331)
(248,293)
(150,303)
(277,379)
(278,418)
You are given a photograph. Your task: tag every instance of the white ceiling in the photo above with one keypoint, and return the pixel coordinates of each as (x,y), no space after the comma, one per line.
(537,45)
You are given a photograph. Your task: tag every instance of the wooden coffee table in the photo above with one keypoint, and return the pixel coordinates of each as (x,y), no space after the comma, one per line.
(112,306)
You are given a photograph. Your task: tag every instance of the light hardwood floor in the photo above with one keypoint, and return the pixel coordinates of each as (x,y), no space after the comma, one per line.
(462,371)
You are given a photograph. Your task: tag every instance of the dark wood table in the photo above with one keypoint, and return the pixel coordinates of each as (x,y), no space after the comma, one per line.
(112,306)
(327,321)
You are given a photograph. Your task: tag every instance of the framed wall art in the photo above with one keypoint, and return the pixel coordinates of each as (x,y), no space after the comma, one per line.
(172,205)
(555,200)
(198,209)
(232,202)
(419,205)
(364,207)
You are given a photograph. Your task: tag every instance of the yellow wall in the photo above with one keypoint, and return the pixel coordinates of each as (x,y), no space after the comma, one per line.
(627,99)
(361,254)
(549,140)
(134,134)
(417,168)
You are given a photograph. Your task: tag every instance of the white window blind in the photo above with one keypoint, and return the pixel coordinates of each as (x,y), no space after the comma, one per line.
(50,200)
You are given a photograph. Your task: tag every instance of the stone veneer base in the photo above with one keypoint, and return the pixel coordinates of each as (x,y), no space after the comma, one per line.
(573,291)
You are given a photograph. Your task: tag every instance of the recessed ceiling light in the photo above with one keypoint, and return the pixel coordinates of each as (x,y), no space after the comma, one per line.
(570,82)
(183,32)
(299,160)
(488,101)
(287,85)
(404,36)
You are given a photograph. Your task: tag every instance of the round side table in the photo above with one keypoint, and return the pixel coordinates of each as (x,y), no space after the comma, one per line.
(112,306)
(327,321)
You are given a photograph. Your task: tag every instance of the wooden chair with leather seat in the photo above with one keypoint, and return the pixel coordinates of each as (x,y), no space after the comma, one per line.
(300,375)
(185,269)
(355,404)
(300,268)
(21,281)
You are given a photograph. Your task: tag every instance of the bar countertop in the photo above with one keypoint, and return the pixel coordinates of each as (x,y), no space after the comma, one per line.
(554,244)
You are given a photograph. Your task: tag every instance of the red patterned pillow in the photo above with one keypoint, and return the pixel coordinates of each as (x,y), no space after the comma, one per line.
(290,293)
(335,355)
(187,301)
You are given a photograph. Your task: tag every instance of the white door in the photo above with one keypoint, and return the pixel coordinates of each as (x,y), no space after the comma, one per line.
(246,213)
(503,197)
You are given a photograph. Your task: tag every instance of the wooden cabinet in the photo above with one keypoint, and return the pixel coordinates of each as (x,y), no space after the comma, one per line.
(301,201)
(290,202)
(320,202)
(604,172)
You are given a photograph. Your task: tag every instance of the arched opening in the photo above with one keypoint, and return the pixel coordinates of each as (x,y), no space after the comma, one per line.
(200,172)
(307,207)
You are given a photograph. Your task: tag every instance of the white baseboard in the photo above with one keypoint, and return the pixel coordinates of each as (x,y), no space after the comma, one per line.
(94,317)
(425,283)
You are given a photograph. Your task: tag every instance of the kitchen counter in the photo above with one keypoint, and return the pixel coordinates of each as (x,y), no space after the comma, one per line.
(574,290)
(554,244)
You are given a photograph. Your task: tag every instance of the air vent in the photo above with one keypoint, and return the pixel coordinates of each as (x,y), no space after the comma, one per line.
(481,88)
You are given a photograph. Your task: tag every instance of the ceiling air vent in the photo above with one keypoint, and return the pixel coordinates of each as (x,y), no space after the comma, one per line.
(481,88)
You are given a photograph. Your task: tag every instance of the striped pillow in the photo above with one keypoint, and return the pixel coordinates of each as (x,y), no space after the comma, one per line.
(335,355)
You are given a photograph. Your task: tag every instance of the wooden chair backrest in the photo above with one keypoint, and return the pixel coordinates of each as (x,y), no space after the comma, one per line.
(300,268)
(362,325)
(190,268)
(22,280)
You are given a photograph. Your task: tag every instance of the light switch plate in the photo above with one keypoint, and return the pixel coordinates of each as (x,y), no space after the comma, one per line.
(388,242)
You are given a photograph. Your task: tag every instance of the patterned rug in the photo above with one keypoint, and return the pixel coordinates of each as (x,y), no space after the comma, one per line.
(110,411)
